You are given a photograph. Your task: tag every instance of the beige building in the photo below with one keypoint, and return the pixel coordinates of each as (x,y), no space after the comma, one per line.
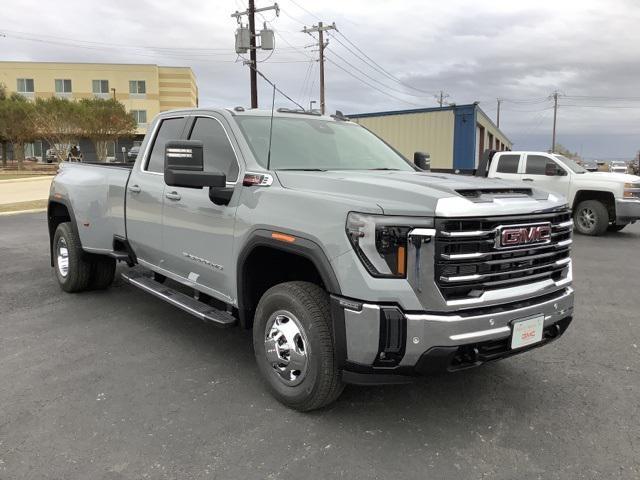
(144,89)
(455,136)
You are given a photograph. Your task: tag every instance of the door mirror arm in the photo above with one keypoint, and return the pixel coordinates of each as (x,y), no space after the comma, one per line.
(221,195)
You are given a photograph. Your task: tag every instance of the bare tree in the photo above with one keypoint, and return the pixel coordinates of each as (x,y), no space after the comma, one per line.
(104,121)
(58,121)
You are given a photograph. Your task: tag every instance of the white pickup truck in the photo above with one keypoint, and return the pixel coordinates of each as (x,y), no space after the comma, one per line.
(600,201)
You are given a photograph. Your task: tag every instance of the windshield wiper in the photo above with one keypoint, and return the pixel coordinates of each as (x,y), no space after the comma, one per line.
(386,168)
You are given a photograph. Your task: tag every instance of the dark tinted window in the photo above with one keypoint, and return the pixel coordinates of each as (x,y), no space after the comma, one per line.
(508,163)
(170,129)
(536,164)
(218,153)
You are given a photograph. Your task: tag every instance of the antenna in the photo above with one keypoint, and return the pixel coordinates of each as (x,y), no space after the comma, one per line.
(273,102)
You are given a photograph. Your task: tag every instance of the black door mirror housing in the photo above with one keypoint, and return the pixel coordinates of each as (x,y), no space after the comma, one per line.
(184,166)
(422,160)
(552,170)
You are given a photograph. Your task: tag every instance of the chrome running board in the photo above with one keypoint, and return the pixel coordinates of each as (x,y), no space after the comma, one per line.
(178,299)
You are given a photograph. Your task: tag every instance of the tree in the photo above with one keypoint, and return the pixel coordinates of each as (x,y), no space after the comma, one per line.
(562,150)
(16,124)
(104,121)
(58,121)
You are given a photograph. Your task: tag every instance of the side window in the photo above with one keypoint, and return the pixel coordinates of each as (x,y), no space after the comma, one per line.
(218,152)
(170,129)
(508,163)
(536,164)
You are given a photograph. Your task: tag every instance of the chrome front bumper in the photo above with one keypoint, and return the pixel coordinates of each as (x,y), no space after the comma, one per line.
(627,210)
(365,336)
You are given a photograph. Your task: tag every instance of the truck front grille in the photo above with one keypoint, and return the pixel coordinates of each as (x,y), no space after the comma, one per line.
(469,259)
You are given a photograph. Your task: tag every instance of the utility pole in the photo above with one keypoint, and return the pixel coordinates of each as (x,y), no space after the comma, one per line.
(498,116)
(555,114)
(441,97)
(252,47)
(320,28)
(253,54)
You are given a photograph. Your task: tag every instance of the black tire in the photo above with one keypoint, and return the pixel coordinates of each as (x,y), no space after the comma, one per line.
(614,227)
(103,271)
(321,382)
(591,218)
(78,268)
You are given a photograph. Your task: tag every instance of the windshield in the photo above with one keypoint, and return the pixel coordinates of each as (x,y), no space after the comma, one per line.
(314,144)
(573,166)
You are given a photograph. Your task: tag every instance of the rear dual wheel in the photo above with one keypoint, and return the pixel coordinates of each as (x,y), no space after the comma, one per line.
(77,270)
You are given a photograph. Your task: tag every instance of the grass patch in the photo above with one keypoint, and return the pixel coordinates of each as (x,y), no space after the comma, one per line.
(18,206)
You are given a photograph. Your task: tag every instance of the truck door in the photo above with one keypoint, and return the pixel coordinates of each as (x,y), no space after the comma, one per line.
(145,193)
(507,166)
(197,233)
(534,173)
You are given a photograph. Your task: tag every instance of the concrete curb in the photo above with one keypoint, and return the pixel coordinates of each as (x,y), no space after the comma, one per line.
(35,177)
(32,210)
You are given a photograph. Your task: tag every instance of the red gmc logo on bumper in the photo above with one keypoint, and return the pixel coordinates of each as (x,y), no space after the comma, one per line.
(517,236)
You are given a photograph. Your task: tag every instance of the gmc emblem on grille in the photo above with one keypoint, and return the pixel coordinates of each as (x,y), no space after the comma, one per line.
(519,236)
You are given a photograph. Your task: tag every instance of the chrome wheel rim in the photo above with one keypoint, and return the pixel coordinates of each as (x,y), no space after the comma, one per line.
(286,347)
(587,219)
(62,256)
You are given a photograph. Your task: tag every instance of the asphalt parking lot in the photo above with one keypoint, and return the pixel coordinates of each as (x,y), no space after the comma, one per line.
(118,385)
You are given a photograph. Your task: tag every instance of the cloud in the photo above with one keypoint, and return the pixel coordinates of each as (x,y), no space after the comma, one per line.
(475,51)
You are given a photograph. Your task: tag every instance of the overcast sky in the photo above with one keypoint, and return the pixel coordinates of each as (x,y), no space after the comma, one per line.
(520,51)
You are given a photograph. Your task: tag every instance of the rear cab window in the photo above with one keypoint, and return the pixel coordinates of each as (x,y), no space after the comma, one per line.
(508,163)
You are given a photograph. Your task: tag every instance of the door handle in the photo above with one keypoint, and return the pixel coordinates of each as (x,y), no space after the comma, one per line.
(135,189)
(527,179)
(173,196)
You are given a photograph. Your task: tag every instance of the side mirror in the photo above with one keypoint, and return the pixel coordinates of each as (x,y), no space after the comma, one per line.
(552,170)
(422,160)
(184,166)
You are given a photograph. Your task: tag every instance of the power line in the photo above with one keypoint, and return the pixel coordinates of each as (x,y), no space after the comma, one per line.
(371,85)
(275,87)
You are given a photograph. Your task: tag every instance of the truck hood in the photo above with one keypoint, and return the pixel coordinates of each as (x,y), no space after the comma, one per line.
(610,177)
(408,193)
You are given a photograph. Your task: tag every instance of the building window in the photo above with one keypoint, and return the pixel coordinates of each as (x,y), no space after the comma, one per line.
(140,116)
(63,86)
(25,86)
(100,87)
(137,87)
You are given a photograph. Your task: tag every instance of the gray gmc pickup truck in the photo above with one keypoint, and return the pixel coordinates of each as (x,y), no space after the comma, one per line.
(350,264)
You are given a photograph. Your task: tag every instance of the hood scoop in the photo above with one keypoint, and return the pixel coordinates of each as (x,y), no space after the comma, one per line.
(481,195)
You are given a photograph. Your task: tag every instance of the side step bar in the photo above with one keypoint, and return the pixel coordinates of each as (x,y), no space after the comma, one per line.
(178,299)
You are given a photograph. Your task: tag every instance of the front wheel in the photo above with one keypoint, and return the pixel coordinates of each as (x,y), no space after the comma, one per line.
(591,218)
(293,344)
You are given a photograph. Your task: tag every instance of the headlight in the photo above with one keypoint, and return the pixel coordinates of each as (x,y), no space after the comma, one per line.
(631,190)
(380,241)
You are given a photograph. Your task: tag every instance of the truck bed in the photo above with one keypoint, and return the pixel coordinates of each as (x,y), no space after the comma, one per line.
(96,194)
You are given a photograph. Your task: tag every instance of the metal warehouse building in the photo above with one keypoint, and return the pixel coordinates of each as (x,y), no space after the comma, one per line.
(455,136)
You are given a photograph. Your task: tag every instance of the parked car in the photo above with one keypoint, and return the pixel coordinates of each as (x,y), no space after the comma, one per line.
(132,154)
(600,201)
(618,167)
(590,165)
(349,263)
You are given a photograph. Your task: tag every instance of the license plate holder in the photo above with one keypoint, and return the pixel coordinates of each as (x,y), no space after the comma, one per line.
(527,331)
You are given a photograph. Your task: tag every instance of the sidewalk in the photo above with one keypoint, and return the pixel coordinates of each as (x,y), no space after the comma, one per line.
(24,190)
